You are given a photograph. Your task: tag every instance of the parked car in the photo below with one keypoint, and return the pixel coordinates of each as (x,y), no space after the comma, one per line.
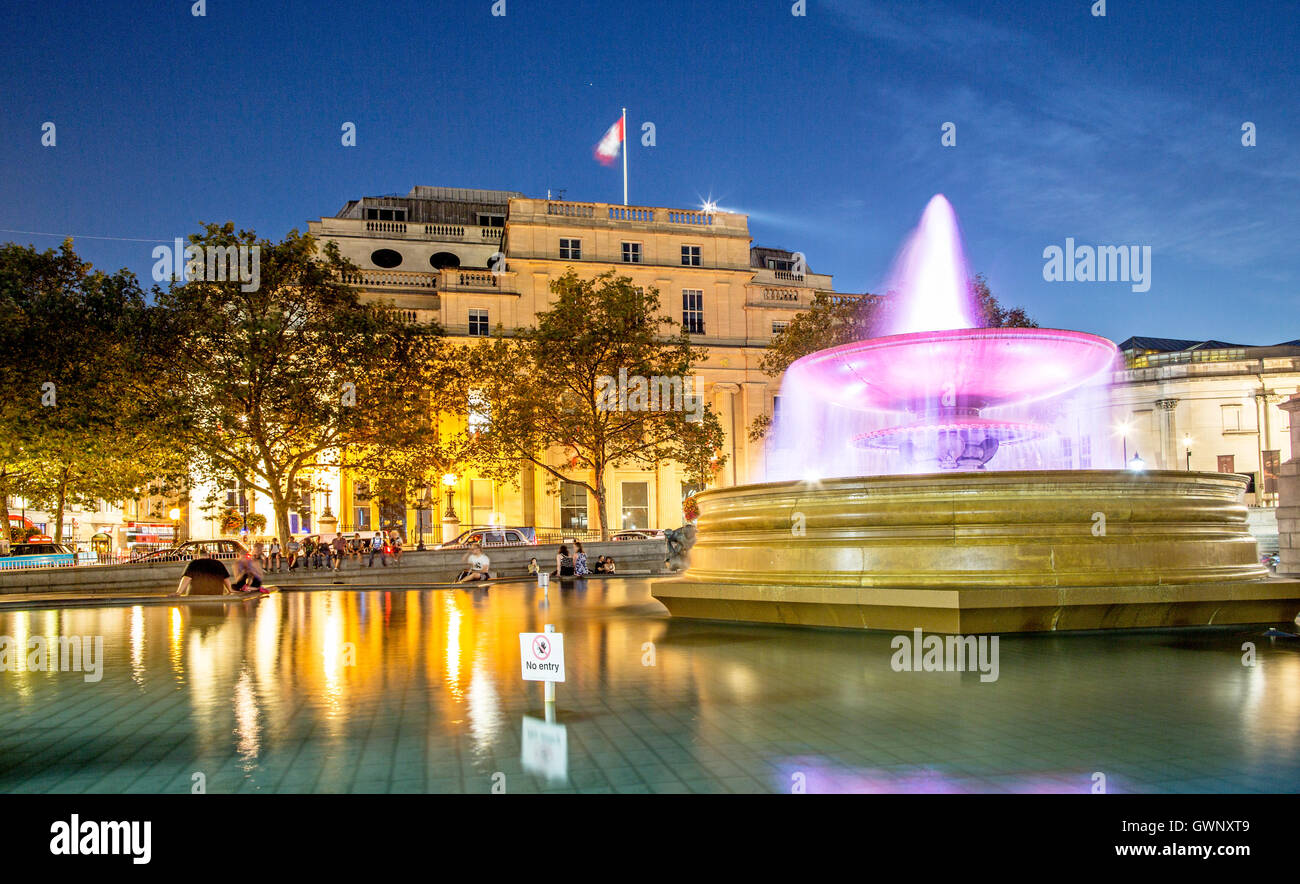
(192,549)
(637,534)
(493,537)
(44,555)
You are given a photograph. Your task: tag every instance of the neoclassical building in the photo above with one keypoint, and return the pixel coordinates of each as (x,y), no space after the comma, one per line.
(1207,405)
(473,259)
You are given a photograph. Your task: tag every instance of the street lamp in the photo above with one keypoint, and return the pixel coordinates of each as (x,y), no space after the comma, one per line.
(1187,443)
(1137,464)
(1124,428)
(449,480)
(175,515)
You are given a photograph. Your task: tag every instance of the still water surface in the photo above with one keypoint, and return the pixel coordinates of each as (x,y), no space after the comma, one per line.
(420,691)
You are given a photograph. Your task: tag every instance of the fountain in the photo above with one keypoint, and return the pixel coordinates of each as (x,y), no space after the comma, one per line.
(930,481)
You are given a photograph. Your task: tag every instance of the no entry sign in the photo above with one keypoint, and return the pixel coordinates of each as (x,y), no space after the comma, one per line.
(542,655)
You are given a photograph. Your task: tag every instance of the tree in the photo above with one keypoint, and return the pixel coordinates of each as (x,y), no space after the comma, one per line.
(269,383)
(407,466)
(72,427)
(830,322)
(595,380)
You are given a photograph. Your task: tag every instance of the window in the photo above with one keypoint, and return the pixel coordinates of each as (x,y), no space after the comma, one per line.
(1231,418)
(385,258)
(636,505)
(690,256)
(361,506)
(571,249)
(1085,453)
(480,501)
(385,214)
(478,321)
(776,409)
(1067,453)
(235,497)
(779,264)
(573,507)
(693,311)
(631,253)
(1227,463)
(480,413)
(489,220)
(779,325)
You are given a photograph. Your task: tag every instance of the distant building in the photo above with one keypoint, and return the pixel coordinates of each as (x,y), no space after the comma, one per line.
(473,259)
(1216,400)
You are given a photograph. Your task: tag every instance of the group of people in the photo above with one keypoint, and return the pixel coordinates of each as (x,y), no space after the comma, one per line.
(478,565)
(315,552)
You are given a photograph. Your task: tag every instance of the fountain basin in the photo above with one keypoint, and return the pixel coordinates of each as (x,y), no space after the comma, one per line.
(963,368)
(975,552)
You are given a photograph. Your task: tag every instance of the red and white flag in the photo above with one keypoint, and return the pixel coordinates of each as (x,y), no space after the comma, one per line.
(607,150)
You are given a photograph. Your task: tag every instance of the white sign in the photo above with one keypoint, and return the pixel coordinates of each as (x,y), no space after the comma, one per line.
(545,749)
(542,655)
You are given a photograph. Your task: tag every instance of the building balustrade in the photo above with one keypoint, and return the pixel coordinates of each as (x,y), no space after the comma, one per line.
(409,230)
(455,280)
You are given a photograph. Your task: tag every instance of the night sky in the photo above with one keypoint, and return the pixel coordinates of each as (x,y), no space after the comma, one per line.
(824,128)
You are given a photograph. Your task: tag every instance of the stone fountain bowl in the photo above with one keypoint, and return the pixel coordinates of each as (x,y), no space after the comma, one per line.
(964,368)
(982,552)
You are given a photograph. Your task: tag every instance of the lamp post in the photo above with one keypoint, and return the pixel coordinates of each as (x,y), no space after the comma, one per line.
(1123,429)
(175,515)
(1187,444)
(1137,464)
(450,521)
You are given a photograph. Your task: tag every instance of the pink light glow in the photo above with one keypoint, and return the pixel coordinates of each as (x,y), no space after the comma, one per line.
(964,368)
(930,278)
(940,372)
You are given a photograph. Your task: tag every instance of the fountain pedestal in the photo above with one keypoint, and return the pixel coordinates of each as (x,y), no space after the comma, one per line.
(977,552)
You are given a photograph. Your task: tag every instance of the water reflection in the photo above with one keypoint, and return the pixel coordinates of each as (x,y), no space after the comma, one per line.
(421,691)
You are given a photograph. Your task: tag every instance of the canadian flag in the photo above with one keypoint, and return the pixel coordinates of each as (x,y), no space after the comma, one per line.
(607,150)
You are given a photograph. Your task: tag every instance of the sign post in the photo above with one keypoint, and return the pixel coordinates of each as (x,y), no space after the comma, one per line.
(542,659)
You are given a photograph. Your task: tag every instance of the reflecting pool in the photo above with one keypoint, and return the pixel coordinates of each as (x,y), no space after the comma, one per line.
(420,691)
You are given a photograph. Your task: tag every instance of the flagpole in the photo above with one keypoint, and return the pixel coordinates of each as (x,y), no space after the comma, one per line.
(625,156)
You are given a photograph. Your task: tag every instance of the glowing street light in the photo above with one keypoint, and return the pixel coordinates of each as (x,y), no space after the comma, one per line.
(1137,464)
(1124,428)
(449,480)
(1187,444)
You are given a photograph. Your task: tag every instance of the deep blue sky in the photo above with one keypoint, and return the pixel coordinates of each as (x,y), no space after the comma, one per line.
(825,129)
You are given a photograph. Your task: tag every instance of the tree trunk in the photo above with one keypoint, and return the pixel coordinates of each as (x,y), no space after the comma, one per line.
(281,505)
(601,503)
(4,512)
(61,503)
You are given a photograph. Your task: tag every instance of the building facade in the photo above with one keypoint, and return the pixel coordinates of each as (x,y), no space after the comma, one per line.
(1207,405)
(474,260)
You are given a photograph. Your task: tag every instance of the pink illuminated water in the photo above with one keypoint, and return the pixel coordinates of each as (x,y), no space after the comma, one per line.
(935,393)
(931,277)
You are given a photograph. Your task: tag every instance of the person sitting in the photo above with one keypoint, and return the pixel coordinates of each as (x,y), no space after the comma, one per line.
(478,566)
(605,565)
(204,575)
(563,563)
(248,574)
(533,567)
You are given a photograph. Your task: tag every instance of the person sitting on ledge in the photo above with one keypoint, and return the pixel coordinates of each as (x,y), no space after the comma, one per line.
(533,567)
(478,566)
(605,565)
(248,574)
(563,563)
(204,576)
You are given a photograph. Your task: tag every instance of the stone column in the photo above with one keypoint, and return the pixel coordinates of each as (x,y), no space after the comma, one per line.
(1288,495)
(724,400)
(1167,409)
